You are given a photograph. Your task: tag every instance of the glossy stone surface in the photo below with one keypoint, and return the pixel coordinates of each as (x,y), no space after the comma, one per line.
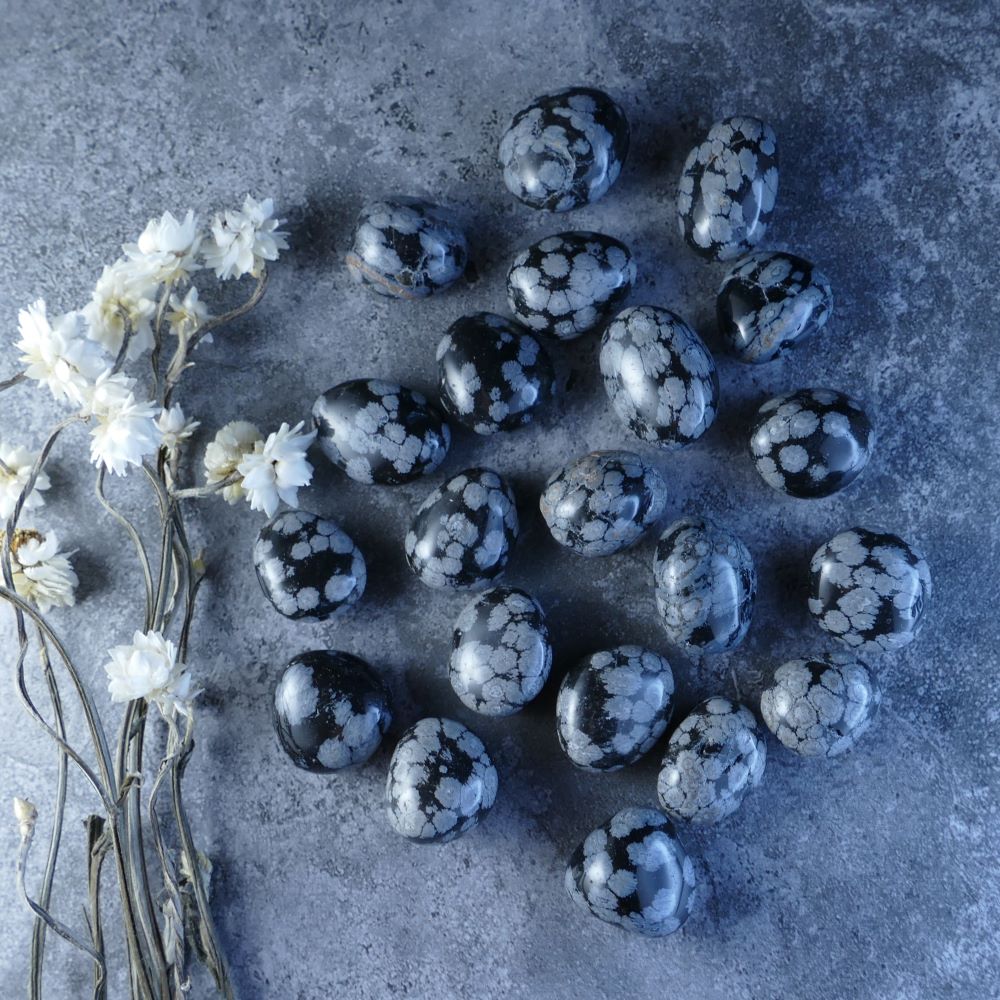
(462,534)
(407,248)
(769,303)
(380,432)
(613,706)
(870,590)
(501,653)
(567,284)
(308,566)
(331,710)
(635,873)
(812,442)
(441,781)
(659,376)
(603,502)
(493,374)
(728,188)
(714,757)
(705,584)
(565,149)
(822,706)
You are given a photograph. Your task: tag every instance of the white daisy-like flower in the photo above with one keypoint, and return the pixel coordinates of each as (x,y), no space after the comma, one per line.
(126,430)
(187,314)
(232,445)
(167,247)
(57,354)
(243,240)
(175,428)
(148,668)
(14,474)
(124,296)
(42,574)
(276,470)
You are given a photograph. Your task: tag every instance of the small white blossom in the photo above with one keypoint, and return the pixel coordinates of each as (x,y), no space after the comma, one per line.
(26,815)
(148,668)
(175,427)
(277,469)
(232,445)
(243,240)
(187,314)
(125,295)
(42,574)
(126,430)
(167,248)
(14,473)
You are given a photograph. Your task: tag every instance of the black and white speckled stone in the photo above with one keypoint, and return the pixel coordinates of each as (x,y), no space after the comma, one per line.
(613,706)
(870,590)
(705,584)
(635,873)
(603,502)
(331,710)
(659,376)
(821,707)
(565,149)
(380,432)
(714,757)
(501,653)
(308,566)
(407,248)
(728,188)
(812,442)
(462,534)
(494,375)
(769,303)
(441,781)
(567,284)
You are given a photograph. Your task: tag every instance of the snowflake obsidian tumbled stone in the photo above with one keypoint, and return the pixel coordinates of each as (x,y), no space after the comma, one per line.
(603,502)
(820,707)
(380,432)
(308,566)
(869,590)
(728,188)
(613,706)
(659,376)
(493,373)
(565,285)
(770,302)
(462,534)
(635,873)
(811,442)
(330,710)
(441,781)
(407,248)
(714,757)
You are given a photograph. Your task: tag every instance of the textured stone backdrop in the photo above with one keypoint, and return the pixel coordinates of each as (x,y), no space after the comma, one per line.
(871,876)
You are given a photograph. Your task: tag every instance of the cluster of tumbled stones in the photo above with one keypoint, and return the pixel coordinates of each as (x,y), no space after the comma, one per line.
(869,589)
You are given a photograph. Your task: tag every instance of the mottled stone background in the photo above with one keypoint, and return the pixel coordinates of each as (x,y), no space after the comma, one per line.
(871,876)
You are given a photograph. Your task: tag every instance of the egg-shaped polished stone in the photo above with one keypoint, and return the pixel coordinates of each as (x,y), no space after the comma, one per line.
(501,654)
(331,710)
(705,585)
(769,303)
(635,873)
(728,188)
(307,566)
(565,149)
(407,248)
(869,589)
(380,432)
(822,706)
(441,781)
(659,376)
(714,757)
(462,534)
(494,375)
(567,284)
(812,442)
(613,706)
(603,502)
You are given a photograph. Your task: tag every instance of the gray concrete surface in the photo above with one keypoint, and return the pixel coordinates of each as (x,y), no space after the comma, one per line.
(870,877)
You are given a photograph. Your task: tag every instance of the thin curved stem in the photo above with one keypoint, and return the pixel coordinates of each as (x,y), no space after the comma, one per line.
(12,381)
(98,845)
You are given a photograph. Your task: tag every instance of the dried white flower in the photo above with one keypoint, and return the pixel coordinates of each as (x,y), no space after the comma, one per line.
(26,815)
(187,314)
(232,444)
(124,297)
(277,469)
(42,574)
(243,240)
(126,429)
(15,470)
(148,668)
(167,248)
(175,427)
